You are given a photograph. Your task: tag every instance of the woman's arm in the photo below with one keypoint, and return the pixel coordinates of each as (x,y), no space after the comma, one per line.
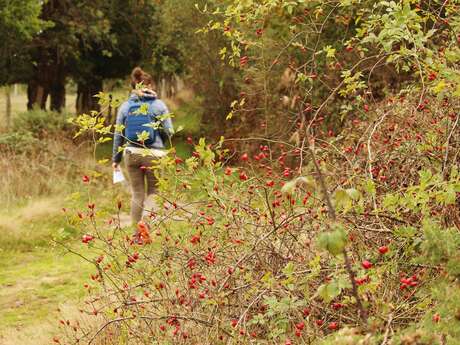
(166,124)
(118,139)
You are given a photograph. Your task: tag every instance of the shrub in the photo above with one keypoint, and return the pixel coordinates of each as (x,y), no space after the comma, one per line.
(39,122)
(258,254)
(34,167)
(18,141)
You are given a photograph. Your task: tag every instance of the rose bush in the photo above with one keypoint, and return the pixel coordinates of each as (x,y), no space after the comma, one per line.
(323,229)
(349,238)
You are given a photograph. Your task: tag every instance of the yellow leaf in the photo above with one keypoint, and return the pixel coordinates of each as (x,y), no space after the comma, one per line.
(439,87)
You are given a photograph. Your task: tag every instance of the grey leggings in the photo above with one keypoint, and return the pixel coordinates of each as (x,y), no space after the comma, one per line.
(142,181)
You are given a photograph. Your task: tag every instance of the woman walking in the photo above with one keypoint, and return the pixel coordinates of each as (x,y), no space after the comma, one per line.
(143,117)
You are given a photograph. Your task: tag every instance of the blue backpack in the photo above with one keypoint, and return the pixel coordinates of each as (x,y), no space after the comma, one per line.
(140,119)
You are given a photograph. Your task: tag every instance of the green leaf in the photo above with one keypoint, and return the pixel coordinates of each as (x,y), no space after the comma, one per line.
(289,187)
(329,291)
(341,198)
(288,270)
(370,187)
(353,193)
(330,52)
(307,182)
(143,136)
(143,109)
(439,87)
(334,241)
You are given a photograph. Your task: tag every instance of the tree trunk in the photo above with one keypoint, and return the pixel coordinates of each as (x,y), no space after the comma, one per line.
(38,87)
(48,80)
(37,95)
(8,106)
(57,88)
(110,110)
(85,96)
(58,97)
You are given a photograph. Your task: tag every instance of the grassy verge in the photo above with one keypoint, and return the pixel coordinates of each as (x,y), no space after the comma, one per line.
(35,277)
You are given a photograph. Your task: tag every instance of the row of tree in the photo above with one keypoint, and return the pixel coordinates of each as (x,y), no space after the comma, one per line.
(46,43)
(287,61)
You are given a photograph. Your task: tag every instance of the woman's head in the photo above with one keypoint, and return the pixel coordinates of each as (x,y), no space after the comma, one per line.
(138,76)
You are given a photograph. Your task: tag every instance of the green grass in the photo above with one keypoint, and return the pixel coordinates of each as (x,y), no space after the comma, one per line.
(34,284)
(188,116)
(36,276)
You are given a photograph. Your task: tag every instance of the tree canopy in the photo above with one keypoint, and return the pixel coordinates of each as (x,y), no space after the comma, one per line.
(19,23)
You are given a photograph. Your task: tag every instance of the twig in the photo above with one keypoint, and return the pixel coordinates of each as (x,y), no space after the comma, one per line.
(331,209)
(250,305)
(332,215)
(369,153)
(446,156)
(301,156)
(387,330)
(106,325)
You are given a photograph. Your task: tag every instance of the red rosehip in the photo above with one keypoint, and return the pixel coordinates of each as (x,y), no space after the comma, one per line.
(366,264)
(337,306)
(244,61)
(195,239)
(244,157)
(333,326)
(87,238)
(383,250)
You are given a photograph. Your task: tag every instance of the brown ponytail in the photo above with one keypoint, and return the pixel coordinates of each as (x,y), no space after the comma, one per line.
(138,76)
